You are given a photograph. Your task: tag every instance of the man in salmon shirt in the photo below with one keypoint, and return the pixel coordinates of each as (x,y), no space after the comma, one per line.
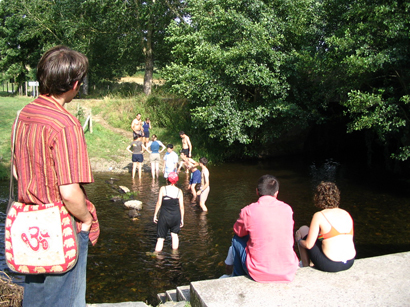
(262,247)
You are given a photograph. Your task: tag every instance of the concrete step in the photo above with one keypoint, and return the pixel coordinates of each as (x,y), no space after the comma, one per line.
(171,295)
(377,281)
(162,298)
(183,293)
(123,304)
(174,304)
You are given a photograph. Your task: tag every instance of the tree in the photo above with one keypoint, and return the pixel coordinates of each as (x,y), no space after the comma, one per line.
(370,47)
(228,61)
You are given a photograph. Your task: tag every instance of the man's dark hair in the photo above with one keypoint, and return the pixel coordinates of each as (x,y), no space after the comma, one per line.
(268,185)
(170,146)
(59,68)
(181,132)
(203,160)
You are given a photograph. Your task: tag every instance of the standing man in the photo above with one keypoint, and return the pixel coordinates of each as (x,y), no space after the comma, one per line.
(263,243)
(204,191)
(170,161)
(136,126)
(186,144)
(51,164)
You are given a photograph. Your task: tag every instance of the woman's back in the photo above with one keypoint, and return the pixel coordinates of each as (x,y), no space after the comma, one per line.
(336,227)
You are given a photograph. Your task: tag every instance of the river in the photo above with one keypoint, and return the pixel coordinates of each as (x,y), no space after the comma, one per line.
(122,267)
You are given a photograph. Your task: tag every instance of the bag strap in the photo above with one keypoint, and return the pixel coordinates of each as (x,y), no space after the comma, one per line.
(13,145)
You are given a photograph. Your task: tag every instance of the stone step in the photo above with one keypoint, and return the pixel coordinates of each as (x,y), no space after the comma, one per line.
(162,298)
(171,295)
(123,304)
(183,293)
(174,304)
(377,281)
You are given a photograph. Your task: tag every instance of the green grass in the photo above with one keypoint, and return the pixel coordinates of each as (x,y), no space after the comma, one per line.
(9,105)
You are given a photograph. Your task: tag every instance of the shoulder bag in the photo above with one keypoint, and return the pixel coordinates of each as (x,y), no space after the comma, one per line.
(39,239)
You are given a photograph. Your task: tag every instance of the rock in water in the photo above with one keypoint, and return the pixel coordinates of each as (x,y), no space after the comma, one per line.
(124,189)
(133,213)
(134,204)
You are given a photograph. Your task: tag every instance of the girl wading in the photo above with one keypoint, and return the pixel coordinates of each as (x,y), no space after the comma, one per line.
(171,215)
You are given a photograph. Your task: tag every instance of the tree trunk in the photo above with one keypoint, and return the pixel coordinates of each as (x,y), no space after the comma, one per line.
(149,64)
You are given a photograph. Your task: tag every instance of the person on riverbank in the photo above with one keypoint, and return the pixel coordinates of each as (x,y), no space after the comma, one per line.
(146,125)
(136,126)
(154,145)
(204,190)
(328,242)
(137,155)
(51,164)
(186,162)
(195,179)
(262,246)
(186,144)
(169,213)
(170,161)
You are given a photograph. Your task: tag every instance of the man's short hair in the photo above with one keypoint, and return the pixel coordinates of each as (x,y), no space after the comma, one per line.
(268,185)
(203,160)
(59,68)
(181,132)
(170,146)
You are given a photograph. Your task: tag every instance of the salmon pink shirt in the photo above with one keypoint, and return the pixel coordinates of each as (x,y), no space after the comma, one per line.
(270,255)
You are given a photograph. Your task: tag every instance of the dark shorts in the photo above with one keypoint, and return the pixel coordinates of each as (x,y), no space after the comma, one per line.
(172,223)
(323,263)
(137,158)
(135,134)
(185,151)
(146,134)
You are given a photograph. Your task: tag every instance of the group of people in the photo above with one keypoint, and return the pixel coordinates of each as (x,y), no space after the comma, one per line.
(262,247)
(50,147)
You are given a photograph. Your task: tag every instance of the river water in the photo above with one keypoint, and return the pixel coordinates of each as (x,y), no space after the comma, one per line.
(122,267)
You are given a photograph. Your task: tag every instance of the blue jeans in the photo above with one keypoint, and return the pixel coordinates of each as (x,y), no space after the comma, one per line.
(59,290)
(239,255)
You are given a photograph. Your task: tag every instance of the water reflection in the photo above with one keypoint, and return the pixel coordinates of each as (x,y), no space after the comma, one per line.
(124,267)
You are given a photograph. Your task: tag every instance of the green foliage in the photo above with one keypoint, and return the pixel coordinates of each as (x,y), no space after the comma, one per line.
(227,61)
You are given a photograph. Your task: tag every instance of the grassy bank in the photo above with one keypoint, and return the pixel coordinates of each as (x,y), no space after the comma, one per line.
(9,107)
(168,115)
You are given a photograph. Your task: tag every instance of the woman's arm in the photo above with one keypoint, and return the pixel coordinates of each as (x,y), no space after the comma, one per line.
(158,205)
(313,232)
(181,206)
(128,148)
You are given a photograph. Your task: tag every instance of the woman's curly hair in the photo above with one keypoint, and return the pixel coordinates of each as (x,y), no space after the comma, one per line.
(327,196)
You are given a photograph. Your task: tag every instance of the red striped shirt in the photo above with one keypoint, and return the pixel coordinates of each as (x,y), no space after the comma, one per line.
(50,151)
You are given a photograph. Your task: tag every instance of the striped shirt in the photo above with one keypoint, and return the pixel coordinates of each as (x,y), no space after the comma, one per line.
(50,151)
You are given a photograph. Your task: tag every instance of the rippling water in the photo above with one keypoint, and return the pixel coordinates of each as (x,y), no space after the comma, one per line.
(121,266)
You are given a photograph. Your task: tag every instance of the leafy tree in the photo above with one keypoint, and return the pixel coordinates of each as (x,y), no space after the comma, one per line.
(228,60)
(369,44)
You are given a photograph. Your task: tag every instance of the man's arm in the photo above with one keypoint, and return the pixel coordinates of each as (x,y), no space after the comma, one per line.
(240,225)
(74,199)
(189,146)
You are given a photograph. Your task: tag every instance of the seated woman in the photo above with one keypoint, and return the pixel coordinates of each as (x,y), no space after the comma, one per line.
(328,243)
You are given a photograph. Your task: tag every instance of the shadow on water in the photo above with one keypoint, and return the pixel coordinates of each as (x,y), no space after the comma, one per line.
(122,266)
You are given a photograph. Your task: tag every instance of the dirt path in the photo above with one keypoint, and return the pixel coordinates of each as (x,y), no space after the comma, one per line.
(123,163)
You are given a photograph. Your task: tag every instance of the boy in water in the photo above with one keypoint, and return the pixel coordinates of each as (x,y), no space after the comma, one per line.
(204,191)
(170,161)
(195,179)
(186,162)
